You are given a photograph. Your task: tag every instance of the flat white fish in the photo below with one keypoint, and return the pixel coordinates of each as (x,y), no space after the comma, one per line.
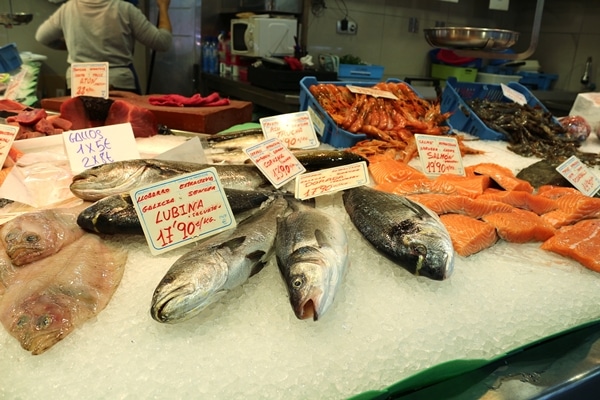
(312,255)
(47,299)
(407,232)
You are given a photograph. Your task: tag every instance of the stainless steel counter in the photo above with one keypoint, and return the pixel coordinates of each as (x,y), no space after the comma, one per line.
(282,102)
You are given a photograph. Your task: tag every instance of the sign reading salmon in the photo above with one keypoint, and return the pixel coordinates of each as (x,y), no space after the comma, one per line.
(87,148)
(183,209)
(89,79)
(439,155)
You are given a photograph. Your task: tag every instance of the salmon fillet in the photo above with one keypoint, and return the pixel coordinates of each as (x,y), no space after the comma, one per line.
(579,242)
(469,235)
(470,186)
(457,204)
(573,208)
(503,176)
(527,201)
(520,226)
(390,170)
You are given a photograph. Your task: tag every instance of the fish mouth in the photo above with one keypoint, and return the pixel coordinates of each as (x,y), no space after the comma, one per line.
(40,343)
(307,310)
(169,306)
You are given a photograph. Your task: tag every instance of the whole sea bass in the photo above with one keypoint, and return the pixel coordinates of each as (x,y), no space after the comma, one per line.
(312,255)
(221,263)
(405,231)
(122,176)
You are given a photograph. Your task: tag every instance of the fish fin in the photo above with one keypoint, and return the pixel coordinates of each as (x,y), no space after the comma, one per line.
(256,256)
(256,268)
(322,239)
(233,243)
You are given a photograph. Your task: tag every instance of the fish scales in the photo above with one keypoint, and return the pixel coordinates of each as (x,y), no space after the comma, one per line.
(220,263)
(312,255)
(408,233)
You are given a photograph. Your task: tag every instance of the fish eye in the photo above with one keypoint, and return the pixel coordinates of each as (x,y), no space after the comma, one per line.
(32,238)
(420,249)
(22,321)
(12,235)
(44,321)
(298,282)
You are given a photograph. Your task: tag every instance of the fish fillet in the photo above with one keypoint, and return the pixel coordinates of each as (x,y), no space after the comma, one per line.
(573,208)
(456,204)
(579,242)
(520,226)
(469,235)
(526,201)
(503,176)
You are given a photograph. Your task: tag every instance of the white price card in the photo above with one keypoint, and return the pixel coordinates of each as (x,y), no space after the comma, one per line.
(86,148)
(294,129)
(182,210)
(331,180)
(89,79)
(14,86)
(580,176)
(372,92)
(512,94)
(275,161)
(439,155)
(7,137)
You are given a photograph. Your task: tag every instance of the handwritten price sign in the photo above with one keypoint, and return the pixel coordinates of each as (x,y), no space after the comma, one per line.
(294,129)
(87,148)
(331,180)
(182,210)
(439,155)
(7,137)
(580,176)
(89,79)
(275,161)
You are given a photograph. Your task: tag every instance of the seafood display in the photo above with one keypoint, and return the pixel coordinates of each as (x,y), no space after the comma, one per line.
(491,203)
(531,131)
(406,231)
(221,263)
(46,299)
(312,255)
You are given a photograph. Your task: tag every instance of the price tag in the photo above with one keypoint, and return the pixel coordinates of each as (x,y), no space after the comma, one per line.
(512,94)
(275,161)
(294,129)
(87,148)
(580,176)
(182,210)
(331,180)
(318,123)
(439,155)
(89,79)
(7,137)
(372,92)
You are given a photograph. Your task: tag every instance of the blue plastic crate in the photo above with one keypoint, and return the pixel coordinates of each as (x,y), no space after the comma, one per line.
(455,97)
(9,58)
(536,80)
(359,73)
(328,131)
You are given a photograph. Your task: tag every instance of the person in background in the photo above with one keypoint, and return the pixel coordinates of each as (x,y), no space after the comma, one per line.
(106,30)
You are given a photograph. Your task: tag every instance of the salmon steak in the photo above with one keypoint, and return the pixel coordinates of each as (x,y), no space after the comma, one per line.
(469,235)
(520,226)
(579,242)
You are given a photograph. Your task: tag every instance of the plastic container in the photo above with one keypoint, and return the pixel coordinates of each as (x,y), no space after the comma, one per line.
(329,132)
(462,74)
(536,80)
(9,58)
(360,73)
(455,97)
(484,77)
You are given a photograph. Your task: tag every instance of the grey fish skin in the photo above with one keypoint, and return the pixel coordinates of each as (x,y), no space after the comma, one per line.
(205,274)
(312,255)
(122,176)
(116,214)
(406,232)
(314,160)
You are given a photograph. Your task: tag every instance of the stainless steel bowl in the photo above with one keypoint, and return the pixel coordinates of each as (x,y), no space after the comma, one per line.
(468,38)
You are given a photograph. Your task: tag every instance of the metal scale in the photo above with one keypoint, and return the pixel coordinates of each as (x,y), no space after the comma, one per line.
(11,18)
